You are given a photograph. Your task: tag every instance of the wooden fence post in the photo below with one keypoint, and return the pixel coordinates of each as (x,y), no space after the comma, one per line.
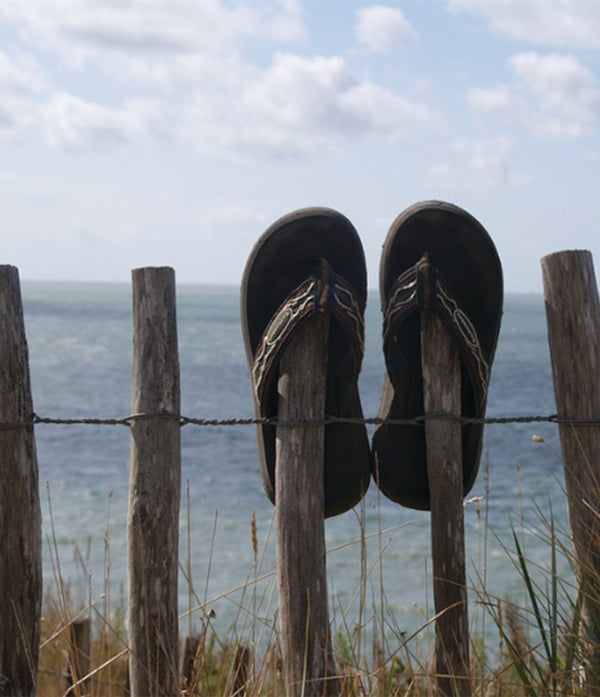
(20,517)
(78,665)
(154,487)
(188,666)
(442,395)
(573,316)
(241,667)
(299,516)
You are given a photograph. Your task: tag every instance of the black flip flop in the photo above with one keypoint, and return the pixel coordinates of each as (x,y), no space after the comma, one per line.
(307,262)
(435,256)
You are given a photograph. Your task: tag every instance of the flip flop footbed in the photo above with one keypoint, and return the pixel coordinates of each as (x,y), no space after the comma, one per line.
(438,257)
(308,262)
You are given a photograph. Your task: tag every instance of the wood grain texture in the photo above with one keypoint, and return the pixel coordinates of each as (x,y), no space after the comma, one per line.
(20,517)
(78,665)
(442,395)
(299,516)
(573,317)
(154,487)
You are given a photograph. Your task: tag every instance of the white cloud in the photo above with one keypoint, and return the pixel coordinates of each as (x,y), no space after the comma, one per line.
(560,23)
(384,111)
(303,106)
(20,82)
(559,84)
(197,63)
(76,124)
(380,27)
(85,31)
(499,101)
(18,76)
(479,164)
(552,96)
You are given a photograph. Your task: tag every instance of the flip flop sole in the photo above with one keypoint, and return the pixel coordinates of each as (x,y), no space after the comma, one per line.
(281,278)
(434,240)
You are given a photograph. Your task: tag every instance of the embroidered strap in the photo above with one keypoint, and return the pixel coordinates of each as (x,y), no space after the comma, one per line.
(323,292)
(421,287)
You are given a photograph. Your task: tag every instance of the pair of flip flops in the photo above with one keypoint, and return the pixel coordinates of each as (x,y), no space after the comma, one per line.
(436,257)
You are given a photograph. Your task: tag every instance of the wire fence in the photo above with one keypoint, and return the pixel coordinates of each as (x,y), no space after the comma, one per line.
(129,420)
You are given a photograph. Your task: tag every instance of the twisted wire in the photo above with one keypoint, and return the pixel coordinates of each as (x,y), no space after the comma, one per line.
(129,420)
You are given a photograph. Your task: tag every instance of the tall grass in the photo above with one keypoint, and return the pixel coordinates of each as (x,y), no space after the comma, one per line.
(541,646)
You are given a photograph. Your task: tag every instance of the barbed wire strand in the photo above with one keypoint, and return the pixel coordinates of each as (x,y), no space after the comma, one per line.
(129,420)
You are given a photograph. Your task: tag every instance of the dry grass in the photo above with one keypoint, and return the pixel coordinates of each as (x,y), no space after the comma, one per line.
(541,645)
(108,654)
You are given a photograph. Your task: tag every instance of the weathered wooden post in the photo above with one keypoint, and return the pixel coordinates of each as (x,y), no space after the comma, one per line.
(20,517)
(299,516)
(573,316)
(239,677)
(78,665)
(188,666)
(442,395)
(154,488)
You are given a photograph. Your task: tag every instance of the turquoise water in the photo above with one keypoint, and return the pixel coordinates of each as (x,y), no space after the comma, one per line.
(80,355)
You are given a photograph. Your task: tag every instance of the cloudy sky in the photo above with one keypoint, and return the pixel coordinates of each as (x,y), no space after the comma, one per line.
(173,132)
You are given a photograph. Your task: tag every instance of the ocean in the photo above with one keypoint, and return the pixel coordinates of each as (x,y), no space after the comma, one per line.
(79,338)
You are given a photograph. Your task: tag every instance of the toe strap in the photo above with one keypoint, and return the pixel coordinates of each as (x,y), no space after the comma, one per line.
(323,292)
(422,288)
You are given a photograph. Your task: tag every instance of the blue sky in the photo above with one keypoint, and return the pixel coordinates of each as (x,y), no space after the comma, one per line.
(170,132)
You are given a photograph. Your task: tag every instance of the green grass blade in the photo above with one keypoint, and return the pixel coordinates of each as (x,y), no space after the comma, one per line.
(533,598)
